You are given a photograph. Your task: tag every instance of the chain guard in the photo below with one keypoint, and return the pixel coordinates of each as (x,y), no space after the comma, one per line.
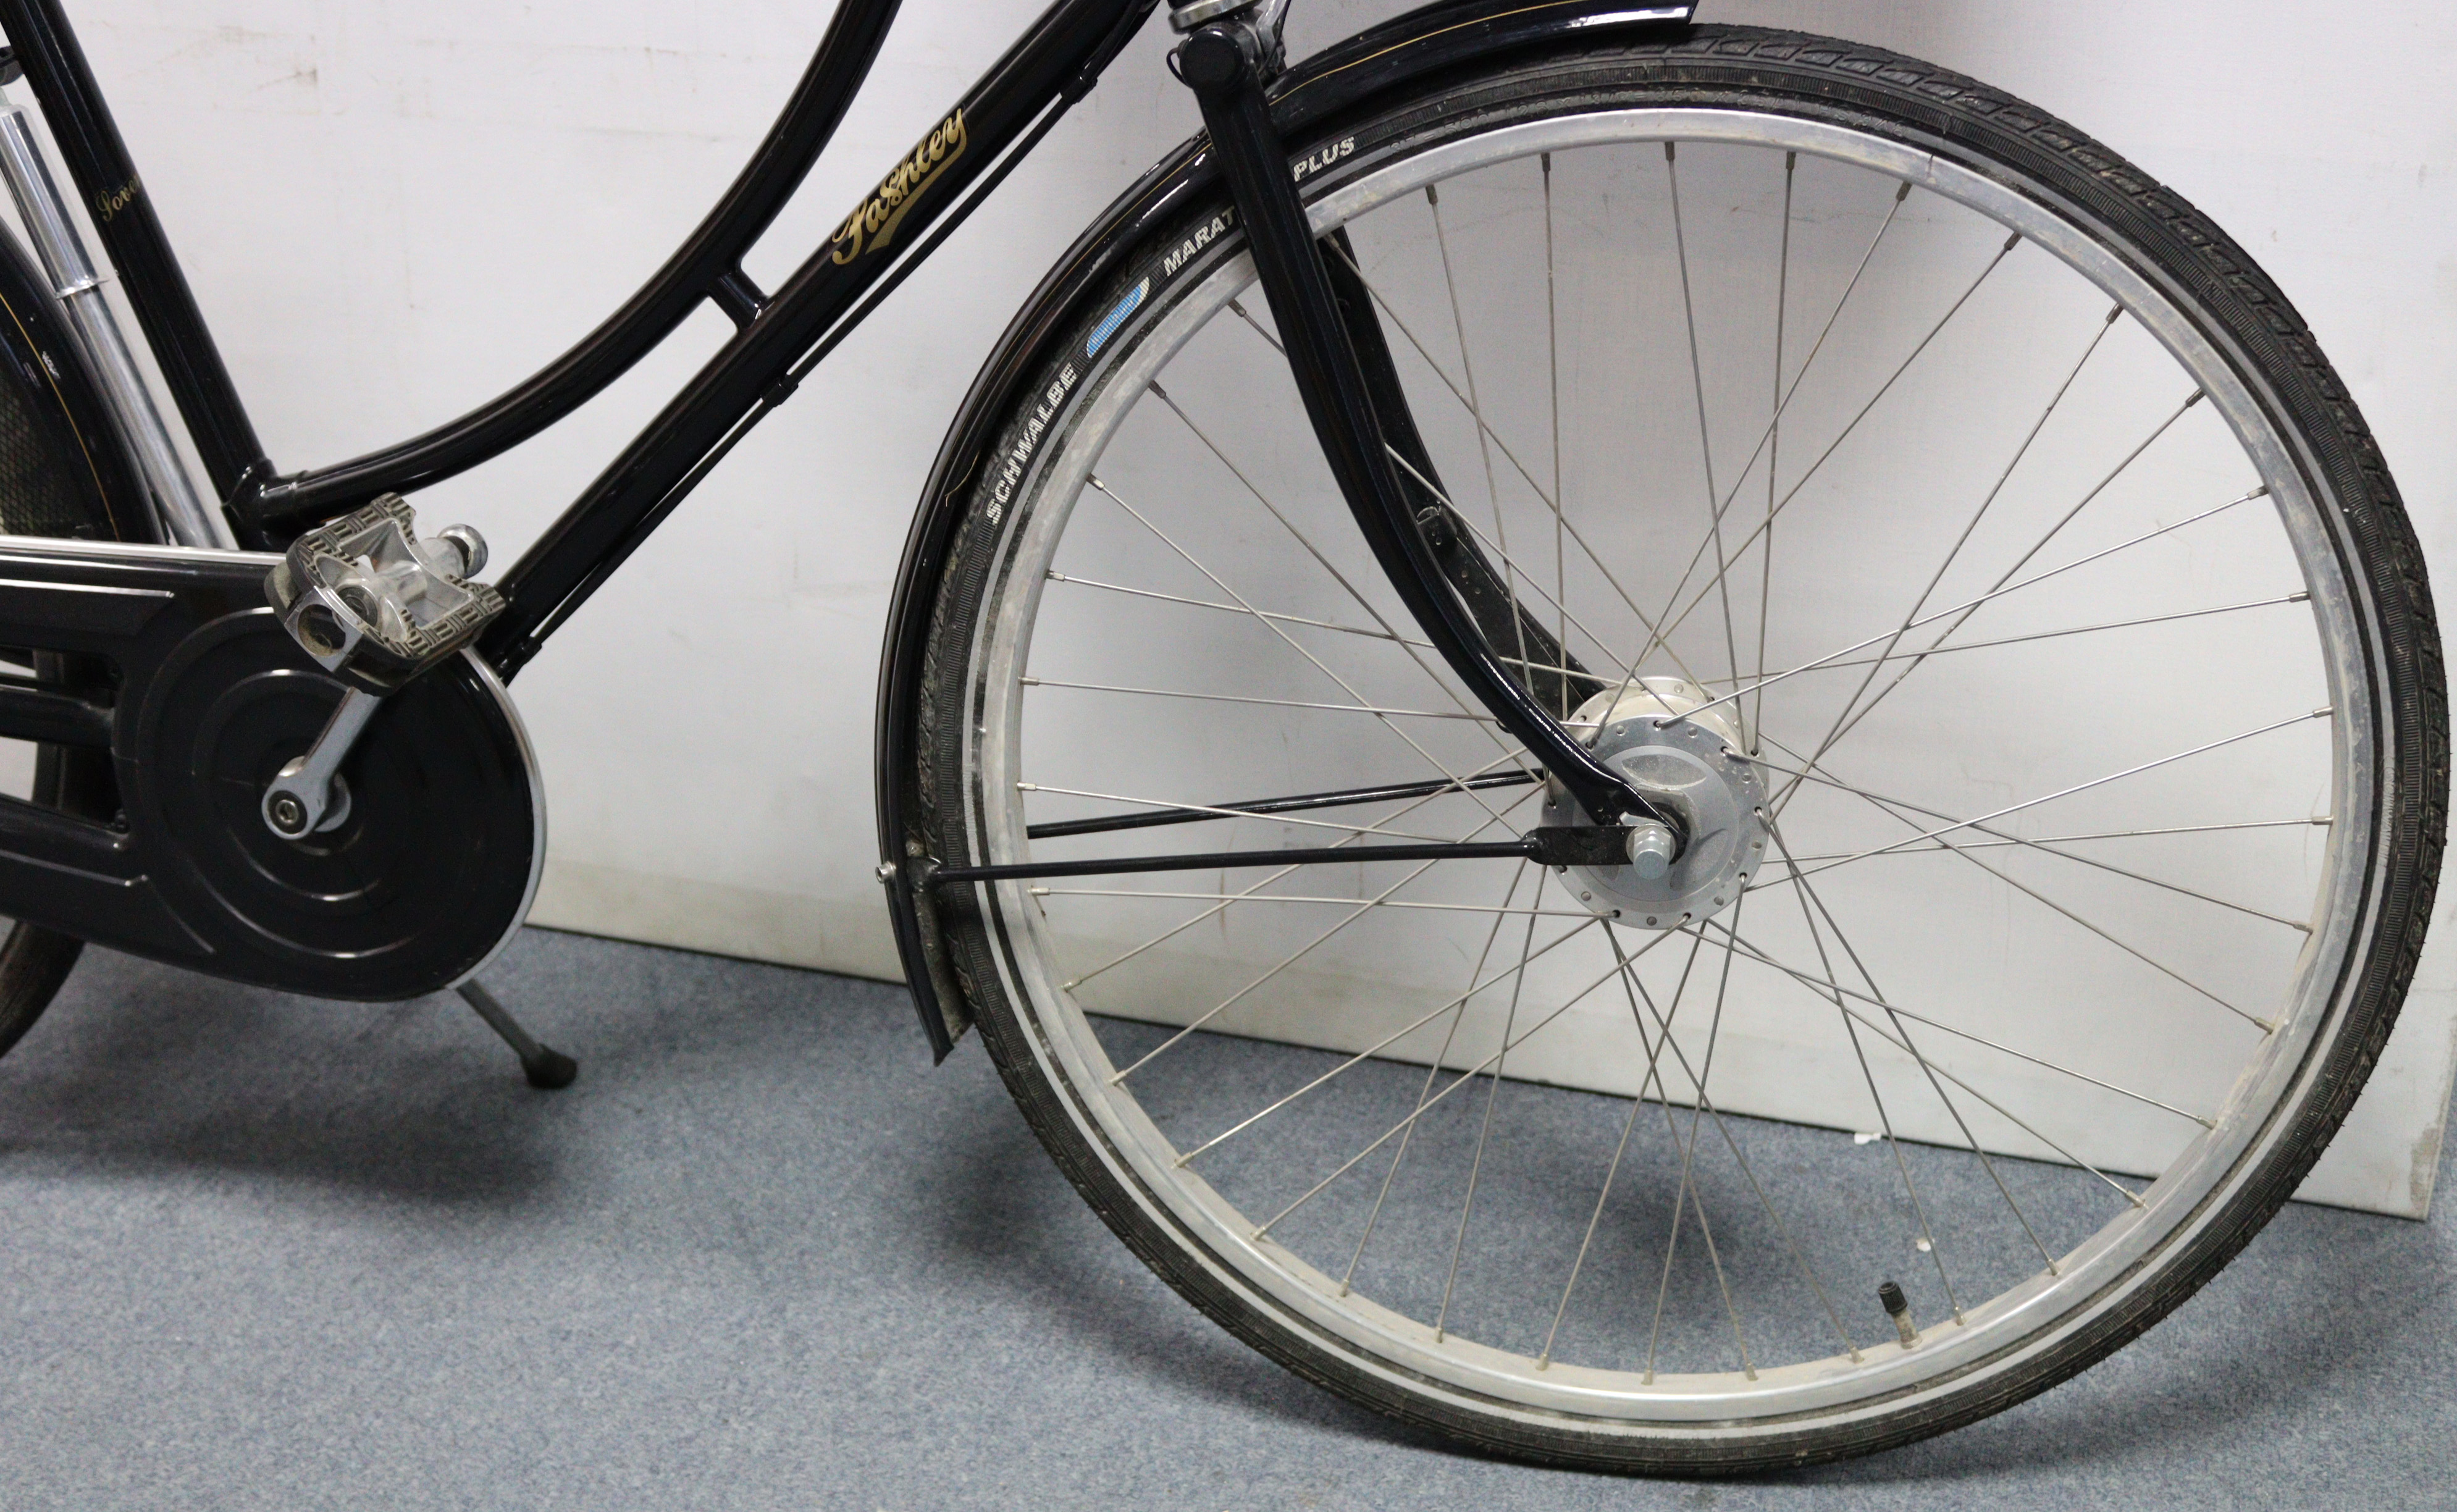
(431,871)
(419,886)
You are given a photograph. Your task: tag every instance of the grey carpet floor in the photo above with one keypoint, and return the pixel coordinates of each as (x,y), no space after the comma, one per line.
(257,1252)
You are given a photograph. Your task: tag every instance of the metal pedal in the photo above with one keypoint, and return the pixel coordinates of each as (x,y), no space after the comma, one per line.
(373,604)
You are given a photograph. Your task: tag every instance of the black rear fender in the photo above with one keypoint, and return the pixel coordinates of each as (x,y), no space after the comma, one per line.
(62,469)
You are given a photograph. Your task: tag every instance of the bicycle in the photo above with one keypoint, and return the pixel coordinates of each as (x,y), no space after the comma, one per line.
(1529,636)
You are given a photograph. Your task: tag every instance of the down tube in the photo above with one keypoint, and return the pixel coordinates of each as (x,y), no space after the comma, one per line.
(1053,65)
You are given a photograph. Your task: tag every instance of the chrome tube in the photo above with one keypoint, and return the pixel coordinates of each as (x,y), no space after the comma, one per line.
(185,517)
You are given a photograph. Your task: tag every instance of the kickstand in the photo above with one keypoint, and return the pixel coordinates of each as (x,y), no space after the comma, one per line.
(545,1068)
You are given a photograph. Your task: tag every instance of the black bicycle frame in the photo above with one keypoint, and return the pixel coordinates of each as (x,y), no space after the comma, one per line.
(1340,361)
(777,337)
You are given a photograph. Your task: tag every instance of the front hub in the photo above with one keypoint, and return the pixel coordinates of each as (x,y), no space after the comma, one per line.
(1688,758)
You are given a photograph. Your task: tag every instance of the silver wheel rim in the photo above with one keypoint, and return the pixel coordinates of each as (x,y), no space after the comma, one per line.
(1996,1334)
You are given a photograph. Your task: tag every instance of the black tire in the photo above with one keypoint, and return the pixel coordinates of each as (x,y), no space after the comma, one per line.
(1903,100)
(61,474)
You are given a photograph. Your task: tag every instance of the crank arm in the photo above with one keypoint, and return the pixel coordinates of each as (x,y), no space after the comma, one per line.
(1223,62)
(308,795)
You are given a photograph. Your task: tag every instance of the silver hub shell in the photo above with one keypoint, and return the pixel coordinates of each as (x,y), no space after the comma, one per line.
(1691,767)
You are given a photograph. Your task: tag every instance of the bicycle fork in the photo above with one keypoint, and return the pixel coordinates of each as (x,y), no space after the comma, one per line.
(1227,59)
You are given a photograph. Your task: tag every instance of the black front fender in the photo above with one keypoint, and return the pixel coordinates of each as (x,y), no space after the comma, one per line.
(1308,99)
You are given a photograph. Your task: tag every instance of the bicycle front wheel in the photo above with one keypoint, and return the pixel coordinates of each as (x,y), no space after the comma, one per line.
(1956,526)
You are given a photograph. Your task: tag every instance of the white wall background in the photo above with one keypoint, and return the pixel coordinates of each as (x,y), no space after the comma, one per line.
(391,210)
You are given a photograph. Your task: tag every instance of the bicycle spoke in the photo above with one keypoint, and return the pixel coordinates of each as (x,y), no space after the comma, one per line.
(1891,805)
(1433,1068)
(2153,963)
(1378,711)
(1829,984)
(1901,1039)
(1544,1359)
(1476,407)
(1637,1100)
(1848,718)
(1315,553)
(1364,907)
(1859,1054)
(1688,1149)
(1233,608)
(1634,990)
(2131,1197)
(1927,1069)
(2004,477)
(1999,591)
(1071,984)
(2297,597)
(1672,1238)
(1765,438)
(1671,621)
(1250,1120)
(1465,1078)
(1942,1027)
(1705,445)
(1774,448)
(1551,501)
(2061,792)
(1484,1129)
(2043,841)
(2137,954)
(1318,664)
(1553,391)
(1603,647)
(1705,1232)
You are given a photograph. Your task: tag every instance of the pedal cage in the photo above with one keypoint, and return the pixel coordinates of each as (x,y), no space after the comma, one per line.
(373,604)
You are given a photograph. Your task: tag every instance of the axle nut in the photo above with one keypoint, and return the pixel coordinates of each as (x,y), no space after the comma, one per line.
(1651,849)
(289,816)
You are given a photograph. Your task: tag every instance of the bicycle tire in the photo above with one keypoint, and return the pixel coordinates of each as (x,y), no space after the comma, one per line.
(1958,120)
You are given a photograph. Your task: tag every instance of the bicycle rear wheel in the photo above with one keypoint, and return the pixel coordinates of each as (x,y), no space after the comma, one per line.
(1958,521)
(61,474)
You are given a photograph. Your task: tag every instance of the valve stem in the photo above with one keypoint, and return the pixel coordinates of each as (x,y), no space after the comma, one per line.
(1898,1307)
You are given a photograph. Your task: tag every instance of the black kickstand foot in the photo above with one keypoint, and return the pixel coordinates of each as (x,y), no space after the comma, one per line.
(545,1068)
